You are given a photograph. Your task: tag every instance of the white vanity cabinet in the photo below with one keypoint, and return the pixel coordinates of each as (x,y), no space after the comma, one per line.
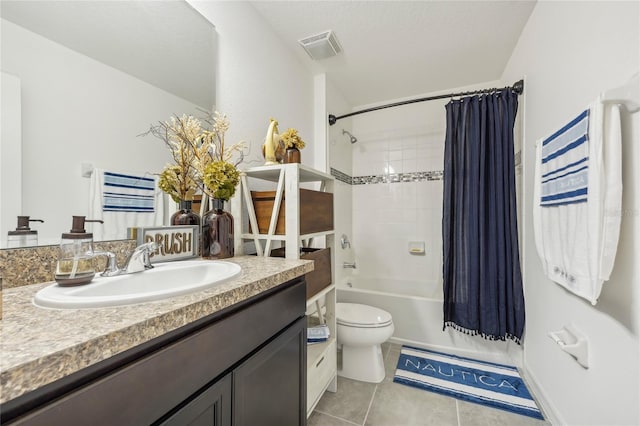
(286,180)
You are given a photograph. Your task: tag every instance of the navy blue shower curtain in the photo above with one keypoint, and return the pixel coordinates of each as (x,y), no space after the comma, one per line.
(482,279)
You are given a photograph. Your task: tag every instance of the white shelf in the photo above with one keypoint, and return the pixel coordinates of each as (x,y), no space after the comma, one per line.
(287,178)
(272,173)
(321,357)
(319,295)
(249,236)
(277,237)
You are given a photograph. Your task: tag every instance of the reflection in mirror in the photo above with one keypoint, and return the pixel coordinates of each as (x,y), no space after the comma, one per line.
(92,76)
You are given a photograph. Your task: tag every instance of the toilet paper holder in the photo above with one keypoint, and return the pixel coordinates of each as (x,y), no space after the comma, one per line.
(573,342)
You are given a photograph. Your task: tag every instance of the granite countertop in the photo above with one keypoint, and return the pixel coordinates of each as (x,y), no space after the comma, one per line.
(42,345)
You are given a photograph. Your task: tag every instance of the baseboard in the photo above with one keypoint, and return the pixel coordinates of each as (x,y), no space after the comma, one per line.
(549,411)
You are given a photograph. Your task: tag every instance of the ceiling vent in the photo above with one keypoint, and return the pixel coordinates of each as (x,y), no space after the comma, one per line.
(321,46)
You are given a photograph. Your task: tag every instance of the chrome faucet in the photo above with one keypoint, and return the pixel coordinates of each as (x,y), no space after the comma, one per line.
(111,269)
(139,260)
(344,241)
(350,265)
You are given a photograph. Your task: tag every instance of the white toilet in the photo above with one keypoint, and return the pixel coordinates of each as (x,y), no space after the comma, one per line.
(361,330)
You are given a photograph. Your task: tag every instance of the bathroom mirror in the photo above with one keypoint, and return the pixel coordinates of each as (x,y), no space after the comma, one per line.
(93,76)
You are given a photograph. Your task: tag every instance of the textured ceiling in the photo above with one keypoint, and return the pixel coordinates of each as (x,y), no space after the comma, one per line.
(395,49)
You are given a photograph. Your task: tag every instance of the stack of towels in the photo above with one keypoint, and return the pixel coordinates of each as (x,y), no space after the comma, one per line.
(578,200)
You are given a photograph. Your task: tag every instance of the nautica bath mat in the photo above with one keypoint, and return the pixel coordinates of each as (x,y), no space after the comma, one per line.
(494,385)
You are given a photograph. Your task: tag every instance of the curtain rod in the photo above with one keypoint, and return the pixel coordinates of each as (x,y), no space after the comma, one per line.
(518,88)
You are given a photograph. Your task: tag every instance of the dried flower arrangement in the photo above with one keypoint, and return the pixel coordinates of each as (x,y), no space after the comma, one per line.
(291,139)
(202,162)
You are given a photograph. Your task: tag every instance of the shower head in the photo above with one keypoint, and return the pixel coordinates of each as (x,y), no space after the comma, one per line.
(352,138)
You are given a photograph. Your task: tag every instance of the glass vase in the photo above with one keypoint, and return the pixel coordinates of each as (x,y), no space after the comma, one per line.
(217,232)
(184,215)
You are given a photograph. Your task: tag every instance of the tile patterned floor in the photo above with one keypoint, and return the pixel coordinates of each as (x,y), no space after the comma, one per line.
(393,404)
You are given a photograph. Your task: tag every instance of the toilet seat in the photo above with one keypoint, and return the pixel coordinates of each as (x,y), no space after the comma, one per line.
(362,316)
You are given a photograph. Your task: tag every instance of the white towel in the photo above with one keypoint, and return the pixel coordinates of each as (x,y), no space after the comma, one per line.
(578,199)
(124,200)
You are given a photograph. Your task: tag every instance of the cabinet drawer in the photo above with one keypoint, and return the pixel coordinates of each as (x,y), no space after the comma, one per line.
(319,374)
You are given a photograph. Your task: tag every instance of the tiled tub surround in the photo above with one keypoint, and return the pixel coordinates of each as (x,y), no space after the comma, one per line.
(40,346)
(23,266)
(397,198)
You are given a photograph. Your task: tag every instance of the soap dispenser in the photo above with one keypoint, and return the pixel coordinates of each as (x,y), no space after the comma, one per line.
(23,236)
(75,265)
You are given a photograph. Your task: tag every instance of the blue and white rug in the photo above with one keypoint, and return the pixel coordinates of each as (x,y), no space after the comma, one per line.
(494,385)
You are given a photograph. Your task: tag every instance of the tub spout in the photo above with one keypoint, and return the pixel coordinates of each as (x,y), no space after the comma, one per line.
(349,265)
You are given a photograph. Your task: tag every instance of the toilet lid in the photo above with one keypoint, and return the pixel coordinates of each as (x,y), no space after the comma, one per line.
(358,315)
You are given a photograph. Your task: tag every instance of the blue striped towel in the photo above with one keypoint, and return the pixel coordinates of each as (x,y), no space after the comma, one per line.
(128,193)
(565,164)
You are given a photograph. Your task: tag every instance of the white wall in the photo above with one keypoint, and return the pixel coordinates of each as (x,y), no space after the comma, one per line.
(320,123)
(569,53)
(10,153)
(74,110)
(258,78)
(340,154)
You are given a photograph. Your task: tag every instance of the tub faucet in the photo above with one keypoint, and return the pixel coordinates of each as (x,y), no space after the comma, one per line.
(344,242)
(349,265)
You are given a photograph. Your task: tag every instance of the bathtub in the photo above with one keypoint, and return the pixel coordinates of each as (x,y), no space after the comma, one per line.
(416,308)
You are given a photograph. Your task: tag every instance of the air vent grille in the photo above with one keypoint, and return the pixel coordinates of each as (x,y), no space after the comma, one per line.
(315,38)
(321,46)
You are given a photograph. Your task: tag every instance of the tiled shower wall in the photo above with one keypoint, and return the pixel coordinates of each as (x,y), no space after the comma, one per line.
(397,198)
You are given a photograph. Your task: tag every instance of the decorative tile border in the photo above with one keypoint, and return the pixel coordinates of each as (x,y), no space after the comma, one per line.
(342,177)
(398,177)
(389,178)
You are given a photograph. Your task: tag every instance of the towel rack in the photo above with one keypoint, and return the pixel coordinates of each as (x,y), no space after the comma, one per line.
(627,94)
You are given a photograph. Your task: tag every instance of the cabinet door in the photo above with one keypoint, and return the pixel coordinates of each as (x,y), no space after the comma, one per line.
(212,407)
(270,387)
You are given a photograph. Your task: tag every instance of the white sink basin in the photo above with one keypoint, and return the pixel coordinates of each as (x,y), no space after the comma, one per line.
(164,280)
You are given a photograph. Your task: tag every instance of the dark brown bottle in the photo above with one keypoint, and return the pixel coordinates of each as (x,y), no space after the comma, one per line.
(185,216)
(217,232)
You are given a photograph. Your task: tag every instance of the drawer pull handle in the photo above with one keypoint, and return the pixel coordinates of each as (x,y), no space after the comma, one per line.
(319,362)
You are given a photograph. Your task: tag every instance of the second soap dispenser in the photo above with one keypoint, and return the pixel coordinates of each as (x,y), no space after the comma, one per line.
(75,260)
(23,236)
